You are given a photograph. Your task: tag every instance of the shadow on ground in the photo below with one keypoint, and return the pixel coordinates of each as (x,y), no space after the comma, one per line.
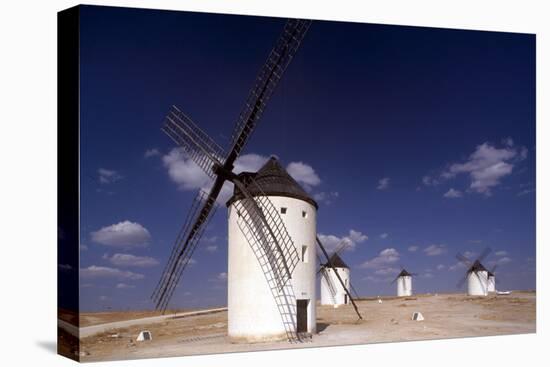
(48,345)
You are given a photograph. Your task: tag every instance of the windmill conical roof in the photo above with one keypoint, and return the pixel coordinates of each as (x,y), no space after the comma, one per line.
(273,180)
(477,266)
(337,261)
(404,273)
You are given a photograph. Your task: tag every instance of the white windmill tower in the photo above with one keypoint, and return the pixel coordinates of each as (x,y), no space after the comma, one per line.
(263,256)
(404,283)
(253,314)
(334,292)
(477,276)
(491,280)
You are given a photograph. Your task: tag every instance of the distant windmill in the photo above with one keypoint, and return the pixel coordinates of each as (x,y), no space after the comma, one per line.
(335,278)
(258,218)
(404,283)
(491,280)
(476,275)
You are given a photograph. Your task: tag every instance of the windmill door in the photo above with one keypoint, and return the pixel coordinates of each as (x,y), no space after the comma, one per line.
(345,299)
(301,316)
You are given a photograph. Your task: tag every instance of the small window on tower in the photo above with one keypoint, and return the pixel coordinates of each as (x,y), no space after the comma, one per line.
(304,214)
(283,210)
(304,254)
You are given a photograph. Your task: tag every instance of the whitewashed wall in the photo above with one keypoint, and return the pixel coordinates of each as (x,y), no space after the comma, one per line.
(252,311)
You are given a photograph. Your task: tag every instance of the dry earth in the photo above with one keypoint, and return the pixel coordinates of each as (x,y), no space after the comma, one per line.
(446,316)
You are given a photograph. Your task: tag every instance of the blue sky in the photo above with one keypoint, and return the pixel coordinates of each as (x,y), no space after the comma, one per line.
(417,143)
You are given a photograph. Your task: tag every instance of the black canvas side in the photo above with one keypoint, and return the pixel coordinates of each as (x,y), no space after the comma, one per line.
(68,182)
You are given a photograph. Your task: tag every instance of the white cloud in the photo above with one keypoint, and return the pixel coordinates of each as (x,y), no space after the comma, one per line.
(384,258)
(384,236)
(508,142)
(122,234)
(440,267)
(413,248)
(331,242)
(132,260)
(487,166)
(452,194)
(220,277)
(103,298)
(458,265)
(435,250)
(427,275)
(383,183)
(107,176)
(93,272)
(386,271)
(188,176)
(212,248)
(83,247)
(501,261)
(303,174)
(124,286)
(326,197)
(153,152)
(430,181)
(501,253)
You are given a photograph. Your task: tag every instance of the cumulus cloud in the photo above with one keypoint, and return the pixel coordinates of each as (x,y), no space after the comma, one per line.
(384,236)
(188,176)
(212,248)
(501,253)
(386,271)
(94,272)
(132,260)
(124,286)
(383,183)
(107,176)
(326,197)
(331,242)
(413,248)
(456,266)
(122,234)
(385,257)
(220,277)
(303,174)
(430,181)
(487,166)
(500,261)
(440,267)
(153,152)
(453,194)
(435,250)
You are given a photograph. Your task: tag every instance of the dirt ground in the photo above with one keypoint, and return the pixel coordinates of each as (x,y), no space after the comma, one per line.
(95,318)
(446,316)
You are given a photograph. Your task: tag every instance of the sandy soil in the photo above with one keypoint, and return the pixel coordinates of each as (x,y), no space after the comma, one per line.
(96,318)
(446,316)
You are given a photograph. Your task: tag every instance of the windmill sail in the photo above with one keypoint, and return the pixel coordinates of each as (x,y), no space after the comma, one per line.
(196,143)
(261,222)
(266,82)
(184,246)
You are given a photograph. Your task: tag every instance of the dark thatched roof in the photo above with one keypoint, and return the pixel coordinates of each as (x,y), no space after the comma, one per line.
(273,180)
(404,273)
(337,262)
(477,266)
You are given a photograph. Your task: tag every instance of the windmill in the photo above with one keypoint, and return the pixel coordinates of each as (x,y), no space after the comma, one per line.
(258,217)
(491,280)
(335,278)
(476,275)
(404,283)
